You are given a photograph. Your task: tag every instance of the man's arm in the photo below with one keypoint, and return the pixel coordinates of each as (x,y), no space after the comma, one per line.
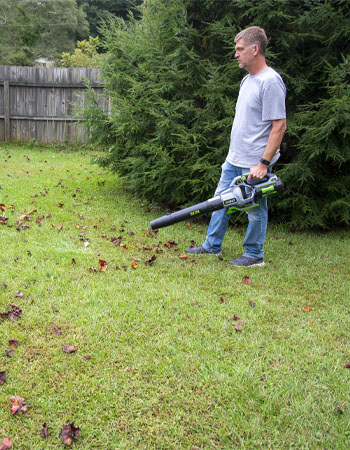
(275,138)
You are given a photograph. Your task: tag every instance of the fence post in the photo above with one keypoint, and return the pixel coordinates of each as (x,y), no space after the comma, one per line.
(7,110)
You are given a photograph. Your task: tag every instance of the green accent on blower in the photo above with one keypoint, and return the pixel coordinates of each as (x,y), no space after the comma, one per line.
(232,209)
(270,188)
(193,213)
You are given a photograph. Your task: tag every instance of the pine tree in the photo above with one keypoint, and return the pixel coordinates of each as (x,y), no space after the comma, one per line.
(173,83)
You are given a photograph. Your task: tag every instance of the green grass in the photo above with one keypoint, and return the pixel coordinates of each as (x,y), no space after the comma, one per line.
(168,370)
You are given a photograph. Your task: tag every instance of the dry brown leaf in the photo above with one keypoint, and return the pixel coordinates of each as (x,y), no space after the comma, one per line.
(103,265)
(2,377)
(57,330)
(44,432)
(69,433)
(13,343)
(17,405)
(246,279)
(5,444)
(18,294)
(238,326)
(69,348)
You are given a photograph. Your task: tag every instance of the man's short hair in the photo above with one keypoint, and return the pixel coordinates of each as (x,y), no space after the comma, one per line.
(252,36)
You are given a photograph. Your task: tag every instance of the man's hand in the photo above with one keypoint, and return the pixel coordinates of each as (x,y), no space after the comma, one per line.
(257,172)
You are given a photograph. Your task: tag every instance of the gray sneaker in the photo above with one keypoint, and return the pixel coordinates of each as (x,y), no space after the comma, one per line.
(246,261)
(200,251)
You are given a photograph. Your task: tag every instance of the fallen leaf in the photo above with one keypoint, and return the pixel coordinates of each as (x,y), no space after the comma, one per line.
(183,256)
(57,330)
(134,265)
(18,294)
(69,433)
(246,279)
(339,409)
(2,207)
(223,299)
(60,228)
(103,265)
(12,314)
(44,432)
(60,205)
(151,260)
(13,343)
(131,233)
(69,348)
(170,243)
(238,326)
(73,261)
(307,309)
(252,303)
(235,317)
(3,220)
(116,241)
(87,356)
(5,444)
(9,352)
(2,377)
(347,366)
(17,405)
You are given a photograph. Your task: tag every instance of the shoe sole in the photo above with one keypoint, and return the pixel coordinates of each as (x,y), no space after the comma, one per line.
(250,265)
(203,254)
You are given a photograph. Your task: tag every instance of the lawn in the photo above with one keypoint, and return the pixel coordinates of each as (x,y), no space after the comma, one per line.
(166,352)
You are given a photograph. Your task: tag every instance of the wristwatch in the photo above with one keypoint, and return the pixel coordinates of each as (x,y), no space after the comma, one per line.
(265,162)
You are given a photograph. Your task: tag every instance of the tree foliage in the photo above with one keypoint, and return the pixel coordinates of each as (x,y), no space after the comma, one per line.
(173,83)
(98,10)
(31,29)
(85,54)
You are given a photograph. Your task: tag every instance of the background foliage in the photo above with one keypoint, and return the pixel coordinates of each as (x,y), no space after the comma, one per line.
(30,29)
(85,54)
(97,10)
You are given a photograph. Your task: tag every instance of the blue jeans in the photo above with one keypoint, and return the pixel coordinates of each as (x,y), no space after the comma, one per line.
(258,216)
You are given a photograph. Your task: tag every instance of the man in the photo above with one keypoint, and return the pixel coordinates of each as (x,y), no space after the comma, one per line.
(257,132)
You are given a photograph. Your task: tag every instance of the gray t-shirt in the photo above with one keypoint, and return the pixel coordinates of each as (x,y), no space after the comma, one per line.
(261,99)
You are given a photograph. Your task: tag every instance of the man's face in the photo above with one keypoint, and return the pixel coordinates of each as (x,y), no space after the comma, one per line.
(245,54)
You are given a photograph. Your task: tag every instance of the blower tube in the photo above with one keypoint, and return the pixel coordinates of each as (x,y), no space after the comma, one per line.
(212,204)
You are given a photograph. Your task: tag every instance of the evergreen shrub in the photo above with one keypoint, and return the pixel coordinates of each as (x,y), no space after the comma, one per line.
(173,84)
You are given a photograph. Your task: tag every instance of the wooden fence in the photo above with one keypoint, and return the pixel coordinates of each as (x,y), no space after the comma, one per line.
(40,103)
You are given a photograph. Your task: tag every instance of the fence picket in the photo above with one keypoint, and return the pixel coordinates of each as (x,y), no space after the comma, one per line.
(37,103)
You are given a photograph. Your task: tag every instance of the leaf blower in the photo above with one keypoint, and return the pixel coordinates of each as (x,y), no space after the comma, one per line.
(240,196)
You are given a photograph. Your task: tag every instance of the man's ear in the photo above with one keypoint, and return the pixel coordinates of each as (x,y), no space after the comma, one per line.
(255,48)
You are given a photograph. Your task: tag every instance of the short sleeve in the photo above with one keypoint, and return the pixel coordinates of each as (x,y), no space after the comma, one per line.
(274,102)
